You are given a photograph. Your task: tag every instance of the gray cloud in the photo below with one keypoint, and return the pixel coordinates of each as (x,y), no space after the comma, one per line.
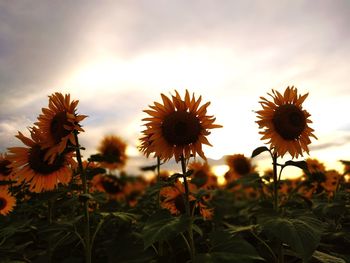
(40,41)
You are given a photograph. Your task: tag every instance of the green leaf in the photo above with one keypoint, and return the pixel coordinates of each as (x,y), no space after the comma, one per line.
(163,226)
(127,217)
(236,229)
(197,229)
(228,248)
(223,257)
(326,258)
(300,164)
(345,162)
(259,150)
(302,234)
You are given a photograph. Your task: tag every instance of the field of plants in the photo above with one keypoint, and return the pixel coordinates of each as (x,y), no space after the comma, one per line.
(56,206)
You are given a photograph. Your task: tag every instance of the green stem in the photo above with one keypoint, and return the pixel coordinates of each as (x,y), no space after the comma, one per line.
(275,201)
(265,244)
(187,207)
(275,183)
(160,244)
(158,179)
(85,202)
(50,219)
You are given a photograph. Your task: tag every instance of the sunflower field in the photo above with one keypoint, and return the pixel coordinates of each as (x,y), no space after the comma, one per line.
(56,206)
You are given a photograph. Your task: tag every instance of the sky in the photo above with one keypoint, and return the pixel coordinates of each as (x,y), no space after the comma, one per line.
(116,57)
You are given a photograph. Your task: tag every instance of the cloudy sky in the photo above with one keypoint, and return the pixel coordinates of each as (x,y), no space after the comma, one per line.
(116,57)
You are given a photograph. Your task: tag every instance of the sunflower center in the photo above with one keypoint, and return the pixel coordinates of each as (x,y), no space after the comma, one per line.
(111,186)
(112,154)
(199,178)
(39,165)
(180,204)
(57,128)
(181,128)
(3,203)
(4,169)
(289,121)
(241,166)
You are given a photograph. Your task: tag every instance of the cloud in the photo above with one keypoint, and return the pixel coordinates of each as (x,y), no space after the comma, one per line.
(116,56)
(8,130)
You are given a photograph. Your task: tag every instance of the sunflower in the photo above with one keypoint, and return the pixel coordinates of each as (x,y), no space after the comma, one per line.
(7,202)
(111,185)
(112,150)
(57,124)
(239,165)
(173,197)
(5,169)
(30,165)
(178,127)
(333,178)
(315,166)
(285,123)
(202,177)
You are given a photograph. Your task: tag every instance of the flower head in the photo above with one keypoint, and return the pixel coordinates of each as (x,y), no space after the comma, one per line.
(30,165)
(285,123)
(5,169)
(176,128)
(111,185)
(315,166)
(239,165)
(112,149)
(202,177)
(7,202)
(173,197)
(57,124)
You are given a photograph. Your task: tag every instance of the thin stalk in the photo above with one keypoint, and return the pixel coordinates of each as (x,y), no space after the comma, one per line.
(276,179)
(85,202)
(50,219)
(160,243)
(158,179)
(265,245)
(275,183)
(187,207)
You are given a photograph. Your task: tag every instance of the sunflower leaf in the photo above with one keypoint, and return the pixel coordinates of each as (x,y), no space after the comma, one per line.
(259,150)
(326,258)
(302,234)
(300,164)
(163,226)
(228,248)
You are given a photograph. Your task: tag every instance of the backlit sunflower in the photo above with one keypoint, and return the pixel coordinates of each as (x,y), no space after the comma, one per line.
(57,124)
(239,165)
(172,198)
(111,185)
(285,123)
(30,165)
(177,127)
(112,150)
(202,177)
(333,178)
(5,169)
(315,166)
(7,202)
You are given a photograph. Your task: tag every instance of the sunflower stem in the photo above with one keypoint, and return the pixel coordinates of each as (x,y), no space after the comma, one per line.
(276,179)
(160,244)
(187,207)
(85,202)
(50,219)
(275,183)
